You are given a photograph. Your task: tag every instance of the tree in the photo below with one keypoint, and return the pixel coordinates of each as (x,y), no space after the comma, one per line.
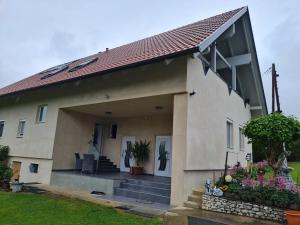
(270,132)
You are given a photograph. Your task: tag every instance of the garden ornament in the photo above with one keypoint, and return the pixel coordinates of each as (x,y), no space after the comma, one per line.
(208,189)
(284,169)
(228,178)
(217,192)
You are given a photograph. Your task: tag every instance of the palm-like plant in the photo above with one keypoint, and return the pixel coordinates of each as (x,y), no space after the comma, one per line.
(140,151)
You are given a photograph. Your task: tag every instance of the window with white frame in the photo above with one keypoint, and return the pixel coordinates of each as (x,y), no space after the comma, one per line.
(41,114)
(1,128)
(21,128)
(229,129)
(241,139)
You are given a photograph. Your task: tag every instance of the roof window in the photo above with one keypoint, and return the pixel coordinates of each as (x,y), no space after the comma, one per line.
(83,64)
(54,70)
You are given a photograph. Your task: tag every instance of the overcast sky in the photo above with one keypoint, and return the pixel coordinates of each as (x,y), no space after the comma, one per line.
(35,35)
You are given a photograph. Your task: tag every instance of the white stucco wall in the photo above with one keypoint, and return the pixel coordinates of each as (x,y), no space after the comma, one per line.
(206,137)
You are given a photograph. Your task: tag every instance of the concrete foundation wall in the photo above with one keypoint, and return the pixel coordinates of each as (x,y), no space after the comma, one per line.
(84,183)
(44,169)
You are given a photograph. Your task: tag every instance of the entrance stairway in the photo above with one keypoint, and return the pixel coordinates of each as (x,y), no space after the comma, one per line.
(106,166)
(145,190)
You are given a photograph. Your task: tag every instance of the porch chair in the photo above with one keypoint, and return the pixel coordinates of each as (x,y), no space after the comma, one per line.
(78,162)
(88,165)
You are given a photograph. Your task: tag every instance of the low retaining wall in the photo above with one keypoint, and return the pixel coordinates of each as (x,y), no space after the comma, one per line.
(223,205)
(84,182)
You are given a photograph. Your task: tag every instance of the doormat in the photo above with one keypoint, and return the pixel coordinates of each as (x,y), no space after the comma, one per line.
(99,193)
(199,221)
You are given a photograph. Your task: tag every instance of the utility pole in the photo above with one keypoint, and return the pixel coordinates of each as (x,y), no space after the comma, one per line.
(275,95)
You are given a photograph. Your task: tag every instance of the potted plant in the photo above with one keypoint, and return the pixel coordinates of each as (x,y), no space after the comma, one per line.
(140,152)
(16,186)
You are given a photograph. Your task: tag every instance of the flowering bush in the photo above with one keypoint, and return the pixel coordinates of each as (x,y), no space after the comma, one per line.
(260,186)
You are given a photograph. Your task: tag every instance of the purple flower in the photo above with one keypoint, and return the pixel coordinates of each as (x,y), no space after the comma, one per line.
(262,164)
(248,182)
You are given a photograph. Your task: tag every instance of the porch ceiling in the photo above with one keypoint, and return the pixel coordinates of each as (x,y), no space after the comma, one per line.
(156,105)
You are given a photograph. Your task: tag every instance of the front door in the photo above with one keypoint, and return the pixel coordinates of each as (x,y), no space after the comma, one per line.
(163,156)
(126,159)
(16,167)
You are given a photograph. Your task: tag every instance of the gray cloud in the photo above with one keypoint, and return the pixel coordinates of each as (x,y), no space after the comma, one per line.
(35,35)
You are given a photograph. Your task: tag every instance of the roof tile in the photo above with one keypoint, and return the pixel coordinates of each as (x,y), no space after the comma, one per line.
(162,45)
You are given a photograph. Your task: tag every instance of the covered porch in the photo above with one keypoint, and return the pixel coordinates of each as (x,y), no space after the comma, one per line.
(107,128)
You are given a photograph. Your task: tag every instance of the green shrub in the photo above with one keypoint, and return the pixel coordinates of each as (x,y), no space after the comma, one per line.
(5,172)
(3,153)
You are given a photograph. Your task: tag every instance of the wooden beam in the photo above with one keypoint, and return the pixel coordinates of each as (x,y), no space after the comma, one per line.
(237,60)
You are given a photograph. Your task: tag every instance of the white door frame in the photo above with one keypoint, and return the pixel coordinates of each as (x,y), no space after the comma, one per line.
(168,164)
(100,138)
(123,167)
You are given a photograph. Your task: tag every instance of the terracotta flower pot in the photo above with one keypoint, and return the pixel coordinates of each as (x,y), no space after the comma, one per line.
(293,217)
(137,170)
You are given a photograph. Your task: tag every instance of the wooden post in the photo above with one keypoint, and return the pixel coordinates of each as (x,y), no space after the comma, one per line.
(225,171)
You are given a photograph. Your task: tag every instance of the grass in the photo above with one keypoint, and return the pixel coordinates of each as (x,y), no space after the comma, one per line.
(34,209)
(296,171)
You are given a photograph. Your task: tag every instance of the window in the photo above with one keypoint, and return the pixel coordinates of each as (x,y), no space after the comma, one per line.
(34,168)
(54,70)
(42,112)
(242,139)
(83,64)
(21,128)
(229,128)
(1,128)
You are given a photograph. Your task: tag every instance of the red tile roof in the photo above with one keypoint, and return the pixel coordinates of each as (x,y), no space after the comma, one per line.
(177,41)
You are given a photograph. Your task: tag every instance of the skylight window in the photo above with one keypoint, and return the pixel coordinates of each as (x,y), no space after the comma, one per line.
(54,70)
(83,64)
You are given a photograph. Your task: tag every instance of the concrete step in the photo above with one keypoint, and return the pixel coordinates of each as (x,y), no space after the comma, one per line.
(198,191)
(148,189)
(149,183)
(193,205)
(195,198)
(142,195)
(108,170)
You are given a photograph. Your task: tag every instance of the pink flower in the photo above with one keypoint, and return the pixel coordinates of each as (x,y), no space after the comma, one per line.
(248,182)
(262,164)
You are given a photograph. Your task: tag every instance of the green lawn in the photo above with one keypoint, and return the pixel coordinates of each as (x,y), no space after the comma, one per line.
(34,209)
(296,171)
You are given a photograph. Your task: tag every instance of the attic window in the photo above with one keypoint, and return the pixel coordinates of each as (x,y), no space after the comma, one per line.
(83,64)
(54,70)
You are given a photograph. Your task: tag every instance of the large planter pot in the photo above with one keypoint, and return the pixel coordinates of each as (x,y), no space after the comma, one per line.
(137,170)
(16,186)
(293,217)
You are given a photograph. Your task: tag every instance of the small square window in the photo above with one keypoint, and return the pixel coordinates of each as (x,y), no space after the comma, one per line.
(1,128)
(41,114)
(229,130)
(242,139)
(21,128)
(34,168)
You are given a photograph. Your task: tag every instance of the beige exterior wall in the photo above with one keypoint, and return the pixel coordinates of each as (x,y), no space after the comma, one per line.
(205,143)
(38,141)
(73,132)
(143,128)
